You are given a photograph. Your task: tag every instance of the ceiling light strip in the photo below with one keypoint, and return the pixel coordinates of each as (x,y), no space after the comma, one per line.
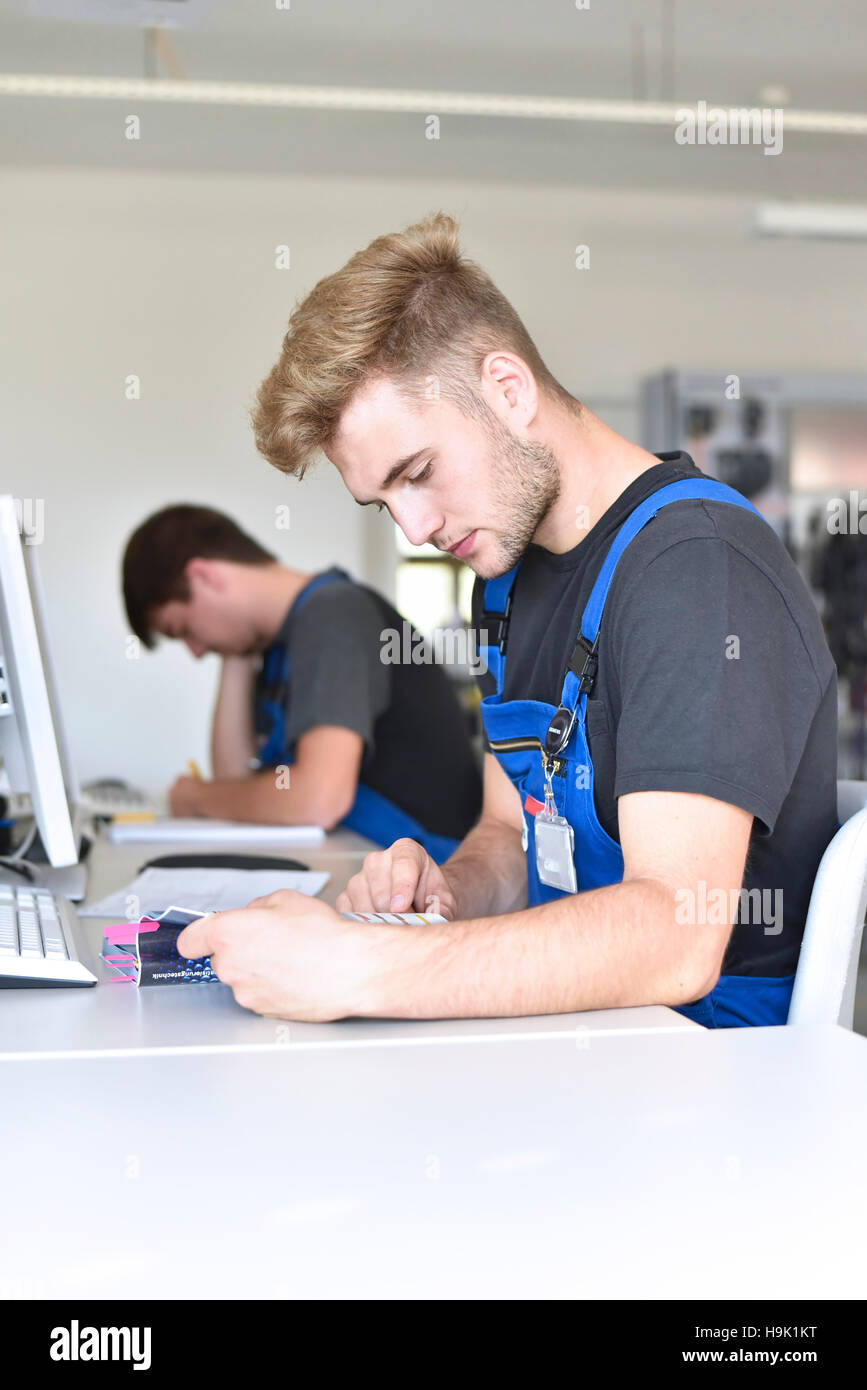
(386,100)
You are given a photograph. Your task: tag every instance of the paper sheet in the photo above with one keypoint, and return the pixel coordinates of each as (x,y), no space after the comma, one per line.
(212,890)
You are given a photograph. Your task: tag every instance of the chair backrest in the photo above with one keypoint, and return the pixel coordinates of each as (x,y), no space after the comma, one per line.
(827,972)
(851,797)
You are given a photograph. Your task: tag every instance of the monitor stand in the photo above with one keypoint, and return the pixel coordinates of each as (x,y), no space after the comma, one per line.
(67,882)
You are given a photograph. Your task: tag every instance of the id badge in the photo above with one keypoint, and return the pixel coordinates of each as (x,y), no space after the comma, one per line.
(555,847)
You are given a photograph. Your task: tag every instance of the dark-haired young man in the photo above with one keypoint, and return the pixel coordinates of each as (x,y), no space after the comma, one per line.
(382,748)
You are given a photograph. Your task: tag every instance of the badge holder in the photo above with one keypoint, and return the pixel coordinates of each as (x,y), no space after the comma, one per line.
(555,839)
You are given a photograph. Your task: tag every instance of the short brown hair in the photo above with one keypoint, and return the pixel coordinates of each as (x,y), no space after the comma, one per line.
(158,552)
(408,306)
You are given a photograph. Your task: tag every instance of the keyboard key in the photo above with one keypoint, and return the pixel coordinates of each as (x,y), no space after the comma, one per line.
(29,933)
(31,927)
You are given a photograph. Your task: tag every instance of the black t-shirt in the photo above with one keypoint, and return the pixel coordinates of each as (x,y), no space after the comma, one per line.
(714,677)
(417,749)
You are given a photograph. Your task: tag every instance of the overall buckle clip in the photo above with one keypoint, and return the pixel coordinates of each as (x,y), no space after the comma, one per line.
(586,673)
(502,621)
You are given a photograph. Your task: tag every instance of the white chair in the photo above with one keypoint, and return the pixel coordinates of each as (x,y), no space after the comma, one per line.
(827,973)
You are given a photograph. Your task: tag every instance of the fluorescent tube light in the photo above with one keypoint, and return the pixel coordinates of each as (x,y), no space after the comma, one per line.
(828,221)
(382,99)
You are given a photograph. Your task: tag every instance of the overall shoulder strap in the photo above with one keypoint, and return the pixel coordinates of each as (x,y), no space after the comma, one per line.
(581,673)
(275,660)
(497,610)
(318,582)
(691,489)
(274,682)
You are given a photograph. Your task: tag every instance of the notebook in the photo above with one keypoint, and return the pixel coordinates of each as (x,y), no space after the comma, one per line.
(206,831)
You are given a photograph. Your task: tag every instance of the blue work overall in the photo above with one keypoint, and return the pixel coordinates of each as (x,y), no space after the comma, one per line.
(372,814)
(516,731)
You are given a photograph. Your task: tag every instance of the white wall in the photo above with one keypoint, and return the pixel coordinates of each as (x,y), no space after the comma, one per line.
(172,277)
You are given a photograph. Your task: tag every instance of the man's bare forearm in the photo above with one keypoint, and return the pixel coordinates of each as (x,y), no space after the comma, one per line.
(232,731)
(269,797)
(487,872)
(609,948)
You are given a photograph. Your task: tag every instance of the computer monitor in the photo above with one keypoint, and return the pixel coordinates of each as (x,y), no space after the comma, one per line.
(33,745)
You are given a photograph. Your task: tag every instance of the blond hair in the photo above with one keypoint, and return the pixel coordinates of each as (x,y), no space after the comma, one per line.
(408,307)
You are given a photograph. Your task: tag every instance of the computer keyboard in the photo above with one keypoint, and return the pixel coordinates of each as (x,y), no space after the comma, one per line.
(40,943)
(111,797)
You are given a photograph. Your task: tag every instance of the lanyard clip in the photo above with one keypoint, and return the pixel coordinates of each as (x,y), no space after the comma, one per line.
(559,731)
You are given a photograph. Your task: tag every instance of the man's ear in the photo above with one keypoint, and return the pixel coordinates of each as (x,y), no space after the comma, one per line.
(204,574)
(510,388)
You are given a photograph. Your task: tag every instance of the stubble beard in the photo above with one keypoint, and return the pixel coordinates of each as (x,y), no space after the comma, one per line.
(526,486)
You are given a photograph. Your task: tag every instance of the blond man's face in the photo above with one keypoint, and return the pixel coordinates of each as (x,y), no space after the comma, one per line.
(441,475)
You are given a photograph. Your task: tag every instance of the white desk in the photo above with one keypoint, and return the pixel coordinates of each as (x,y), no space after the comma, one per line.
(695,1165)
(118,1017)
(624,1153)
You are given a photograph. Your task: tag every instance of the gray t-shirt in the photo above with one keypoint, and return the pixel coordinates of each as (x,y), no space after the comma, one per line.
(417,748)
(714,678)
(337,677)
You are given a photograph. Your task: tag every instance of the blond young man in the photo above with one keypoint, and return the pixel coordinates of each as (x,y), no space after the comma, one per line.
(660,709)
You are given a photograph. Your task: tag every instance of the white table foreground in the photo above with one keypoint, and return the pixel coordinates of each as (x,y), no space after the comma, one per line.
(120,1020)
(703,1164)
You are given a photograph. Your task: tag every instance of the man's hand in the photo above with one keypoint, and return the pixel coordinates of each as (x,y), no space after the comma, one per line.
(186,797)
(287,956)
(402,878)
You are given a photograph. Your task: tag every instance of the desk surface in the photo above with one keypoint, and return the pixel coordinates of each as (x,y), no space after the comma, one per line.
(626,1153)
(709,1165)
(118,1017)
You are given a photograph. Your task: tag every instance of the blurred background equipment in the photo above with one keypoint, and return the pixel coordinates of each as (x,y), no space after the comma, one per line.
(796,444)
(839,575)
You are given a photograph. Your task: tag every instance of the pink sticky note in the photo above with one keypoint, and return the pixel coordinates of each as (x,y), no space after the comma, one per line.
(125,933)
